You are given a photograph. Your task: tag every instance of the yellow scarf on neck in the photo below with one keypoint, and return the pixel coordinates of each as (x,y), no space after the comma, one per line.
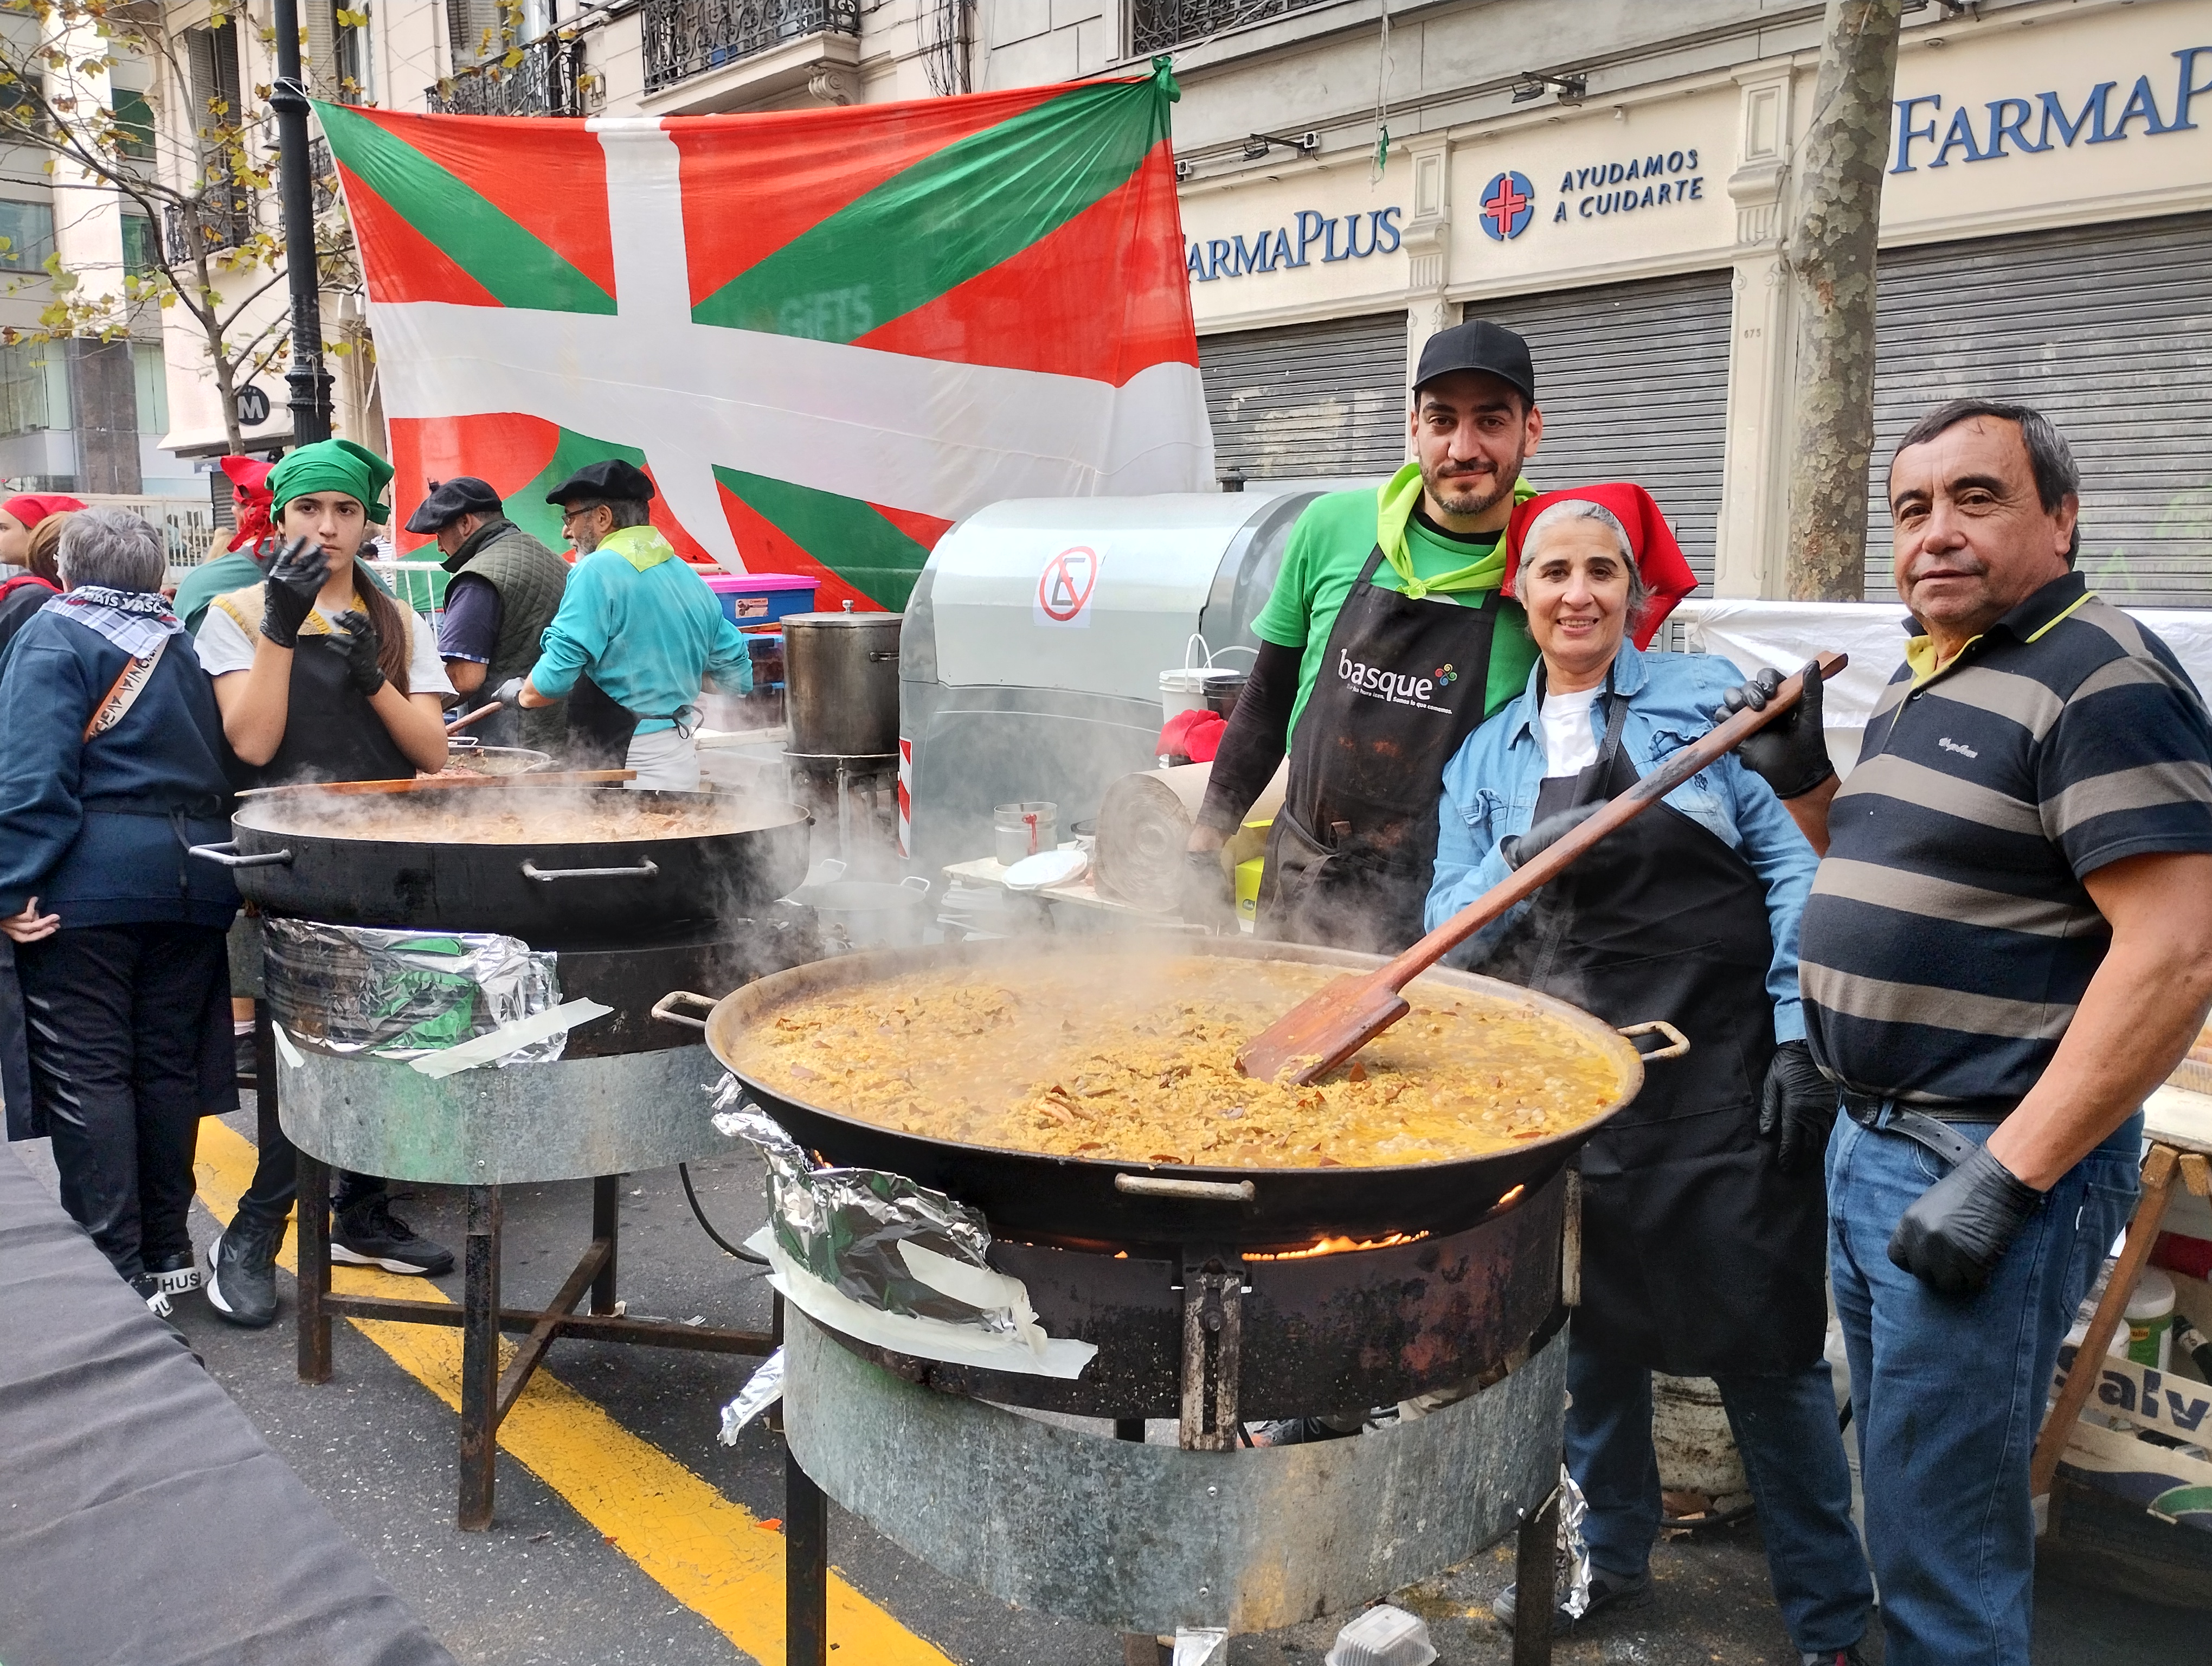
(642,547)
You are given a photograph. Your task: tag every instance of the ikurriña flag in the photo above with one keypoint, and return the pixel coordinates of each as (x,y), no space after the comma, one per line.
(827,335)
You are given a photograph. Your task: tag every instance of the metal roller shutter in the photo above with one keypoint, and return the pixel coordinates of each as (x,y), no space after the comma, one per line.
(2107,330)
(1632,379)
(1308,400)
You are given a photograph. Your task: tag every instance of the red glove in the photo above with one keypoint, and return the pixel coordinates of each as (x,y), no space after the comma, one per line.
(1194,735)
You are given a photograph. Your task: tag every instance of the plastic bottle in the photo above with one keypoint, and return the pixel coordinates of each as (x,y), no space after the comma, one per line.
(2150,1320)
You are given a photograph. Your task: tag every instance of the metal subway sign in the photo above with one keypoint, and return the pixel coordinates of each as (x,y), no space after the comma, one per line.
(1981,136)
(1311,236)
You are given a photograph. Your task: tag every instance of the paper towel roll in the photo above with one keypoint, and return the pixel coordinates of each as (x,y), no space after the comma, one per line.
(1144,827)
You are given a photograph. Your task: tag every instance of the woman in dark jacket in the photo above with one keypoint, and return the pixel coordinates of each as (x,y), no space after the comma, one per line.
(112,763)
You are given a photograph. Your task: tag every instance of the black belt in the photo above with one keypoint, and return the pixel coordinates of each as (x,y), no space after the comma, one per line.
(1869,1112)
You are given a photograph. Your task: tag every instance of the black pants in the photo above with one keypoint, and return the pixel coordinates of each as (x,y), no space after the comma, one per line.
(120,1021)
(276,1174)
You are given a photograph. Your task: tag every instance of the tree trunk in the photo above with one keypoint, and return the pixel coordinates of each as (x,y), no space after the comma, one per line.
(1832,262)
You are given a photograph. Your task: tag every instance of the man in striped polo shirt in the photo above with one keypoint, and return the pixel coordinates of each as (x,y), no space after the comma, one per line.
(2008,945)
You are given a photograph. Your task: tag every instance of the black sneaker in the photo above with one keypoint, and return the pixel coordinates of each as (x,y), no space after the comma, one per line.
(1606,1591)
(179,1274)
(148,1289)
(241,1282)
(368,1234)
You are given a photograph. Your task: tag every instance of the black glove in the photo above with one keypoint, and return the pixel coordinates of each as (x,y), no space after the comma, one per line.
(1958,1230)
(1791,753)
(1518,848)
(356,638)
(1209,895)
(1797,1108)
(295,575)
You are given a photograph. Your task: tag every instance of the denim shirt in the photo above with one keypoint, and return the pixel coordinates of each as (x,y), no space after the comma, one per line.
(1490,792)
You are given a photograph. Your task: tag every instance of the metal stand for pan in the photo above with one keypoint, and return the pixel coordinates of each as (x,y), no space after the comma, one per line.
(1109,1530)
(596,1118)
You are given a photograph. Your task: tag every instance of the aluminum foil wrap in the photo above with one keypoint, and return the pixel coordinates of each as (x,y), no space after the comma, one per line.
(849,1227)
(401,995)
(1574,1550)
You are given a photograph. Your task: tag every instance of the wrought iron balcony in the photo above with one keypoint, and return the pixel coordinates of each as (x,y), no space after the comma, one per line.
(549,81)
(1156,25)
(686,37)
(222,219)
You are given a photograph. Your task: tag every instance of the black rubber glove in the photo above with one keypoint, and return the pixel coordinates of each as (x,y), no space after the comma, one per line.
(1209,894)
(295,575)
(1958,1230)
(1796,1109)
(356,638)
(1518,848)
(1791,753)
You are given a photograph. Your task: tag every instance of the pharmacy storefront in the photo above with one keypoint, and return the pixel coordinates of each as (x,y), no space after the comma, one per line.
(2046,216)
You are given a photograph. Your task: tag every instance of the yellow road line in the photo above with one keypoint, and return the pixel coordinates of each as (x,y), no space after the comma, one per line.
(707,1552)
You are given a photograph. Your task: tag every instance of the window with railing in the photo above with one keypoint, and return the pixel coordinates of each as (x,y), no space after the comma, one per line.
(547,81)
(221,218)
(686,37)
(1156,25)
(28,230)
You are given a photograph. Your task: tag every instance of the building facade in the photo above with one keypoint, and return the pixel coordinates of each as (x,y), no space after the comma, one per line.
(1614,180)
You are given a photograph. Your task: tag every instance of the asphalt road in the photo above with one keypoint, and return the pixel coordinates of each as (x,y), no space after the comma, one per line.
(644,1540)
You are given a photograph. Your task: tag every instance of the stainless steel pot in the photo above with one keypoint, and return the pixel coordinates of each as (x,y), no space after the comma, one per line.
(840,683)
(863,914)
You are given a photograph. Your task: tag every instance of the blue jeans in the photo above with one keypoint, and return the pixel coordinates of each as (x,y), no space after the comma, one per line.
(1947,1393)
(1785,1430)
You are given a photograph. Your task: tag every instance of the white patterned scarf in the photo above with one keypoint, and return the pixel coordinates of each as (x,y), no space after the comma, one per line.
(135,621)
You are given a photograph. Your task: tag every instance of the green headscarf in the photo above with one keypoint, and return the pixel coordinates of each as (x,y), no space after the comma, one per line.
(332,466)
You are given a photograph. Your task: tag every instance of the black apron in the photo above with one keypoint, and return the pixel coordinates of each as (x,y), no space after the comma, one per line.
(600,729)
(331,732)
(1700,1256)
(1353,847)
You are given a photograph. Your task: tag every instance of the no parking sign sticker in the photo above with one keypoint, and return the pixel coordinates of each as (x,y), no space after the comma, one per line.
(1063,589)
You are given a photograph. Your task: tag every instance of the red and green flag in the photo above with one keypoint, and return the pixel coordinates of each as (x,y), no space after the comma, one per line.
(827,335)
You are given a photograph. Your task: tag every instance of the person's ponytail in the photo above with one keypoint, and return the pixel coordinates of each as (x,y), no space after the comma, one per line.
(394,623)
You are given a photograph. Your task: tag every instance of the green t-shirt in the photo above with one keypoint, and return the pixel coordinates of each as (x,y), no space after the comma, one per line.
(1330,543)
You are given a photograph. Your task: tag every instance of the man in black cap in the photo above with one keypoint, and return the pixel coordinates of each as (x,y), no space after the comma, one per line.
(1386,641)
(637,632)
(505,586)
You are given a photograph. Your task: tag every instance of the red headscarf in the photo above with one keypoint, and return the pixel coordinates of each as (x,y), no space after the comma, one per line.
(1666,575)
(249,491)
(31,507)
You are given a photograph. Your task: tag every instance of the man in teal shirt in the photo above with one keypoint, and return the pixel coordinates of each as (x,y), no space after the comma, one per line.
(1385,643)
(637,632)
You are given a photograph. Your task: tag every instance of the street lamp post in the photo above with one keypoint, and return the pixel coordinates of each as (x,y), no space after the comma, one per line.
(309,382)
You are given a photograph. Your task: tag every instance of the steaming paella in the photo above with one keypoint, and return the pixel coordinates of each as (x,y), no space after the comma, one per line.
(538,816)
(1137,1062)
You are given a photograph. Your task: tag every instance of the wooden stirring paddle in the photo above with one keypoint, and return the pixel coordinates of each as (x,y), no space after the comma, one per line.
(1327,1028)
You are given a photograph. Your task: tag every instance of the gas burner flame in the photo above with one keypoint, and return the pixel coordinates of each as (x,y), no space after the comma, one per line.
(1335,1247)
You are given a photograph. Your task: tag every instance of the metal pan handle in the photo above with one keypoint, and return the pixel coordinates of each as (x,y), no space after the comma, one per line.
(1677,1043)
(680,997)
(1192,1191)
(226,854)
(644,870)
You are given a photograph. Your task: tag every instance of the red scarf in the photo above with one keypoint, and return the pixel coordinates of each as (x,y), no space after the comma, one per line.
(250,493)
(1667,575)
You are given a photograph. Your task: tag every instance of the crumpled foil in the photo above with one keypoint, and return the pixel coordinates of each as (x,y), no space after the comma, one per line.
(762,1390)
(400,995)
(1574,1553)
(846,1225)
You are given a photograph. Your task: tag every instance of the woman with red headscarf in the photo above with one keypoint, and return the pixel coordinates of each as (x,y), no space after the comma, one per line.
(1704,1222)
(29,580)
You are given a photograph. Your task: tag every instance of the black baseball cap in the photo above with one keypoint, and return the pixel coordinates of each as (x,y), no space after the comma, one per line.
(610,482)
(1478,345)
(449,500)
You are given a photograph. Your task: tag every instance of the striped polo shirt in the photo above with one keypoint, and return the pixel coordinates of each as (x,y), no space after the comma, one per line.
(1949,937)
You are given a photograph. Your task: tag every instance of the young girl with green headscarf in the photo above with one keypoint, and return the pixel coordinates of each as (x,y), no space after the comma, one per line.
(320,676)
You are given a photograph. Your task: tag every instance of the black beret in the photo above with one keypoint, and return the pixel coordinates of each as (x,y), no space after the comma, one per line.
(449,500)
(611,482)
